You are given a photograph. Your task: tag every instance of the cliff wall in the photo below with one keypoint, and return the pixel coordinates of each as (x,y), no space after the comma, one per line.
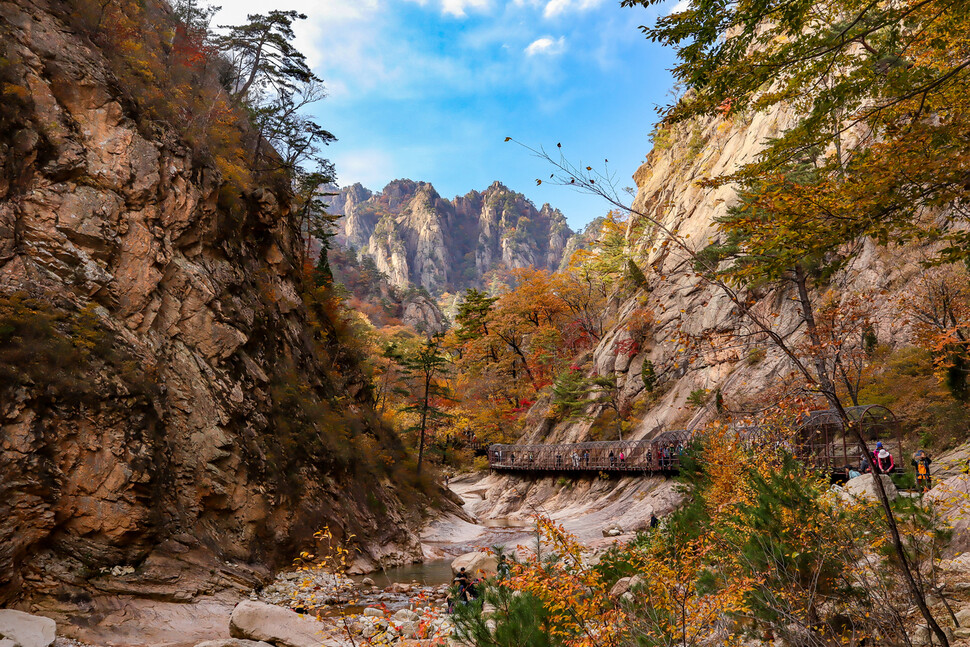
(173,421)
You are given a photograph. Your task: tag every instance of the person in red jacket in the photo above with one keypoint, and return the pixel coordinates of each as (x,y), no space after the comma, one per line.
(884,460)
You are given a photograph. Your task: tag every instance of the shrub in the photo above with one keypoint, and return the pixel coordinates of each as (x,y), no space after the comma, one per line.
(756,355)
(698,397)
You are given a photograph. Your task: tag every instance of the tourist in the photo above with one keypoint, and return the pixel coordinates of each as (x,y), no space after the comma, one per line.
(864,466)
(574,457)
(558,461)
(462,582)
(612,459)
(622,458)
(884,460)
(922,462)
(586,457)
(654,522)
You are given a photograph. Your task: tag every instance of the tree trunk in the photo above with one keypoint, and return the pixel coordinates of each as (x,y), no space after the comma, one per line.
(827,387)
(424,419)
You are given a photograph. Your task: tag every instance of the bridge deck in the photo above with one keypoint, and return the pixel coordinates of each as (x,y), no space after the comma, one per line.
(624,457)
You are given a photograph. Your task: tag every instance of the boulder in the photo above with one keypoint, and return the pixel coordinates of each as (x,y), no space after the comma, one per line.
(476,564)
(963,617)
(922,635)
(864,487)
(367,582)
(6,642)
(27,630)
(269,623)
(613,530)
(622,586)
(405,615)
(233,642)
(373,612)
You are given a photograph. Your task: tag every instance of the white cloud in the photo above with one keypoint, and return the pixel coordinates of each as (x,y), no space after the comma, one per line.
(680,6)
(372,168)
(546,45)
(457,7)
(558,7)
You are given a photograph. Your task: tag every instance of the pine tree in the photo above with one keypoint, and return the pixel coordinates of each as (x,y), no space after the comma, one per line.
(425,368)
(472,317)
(261,55)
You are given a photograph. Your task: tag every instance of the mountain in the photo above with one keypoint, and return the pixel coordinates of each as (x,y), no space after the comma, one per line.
(417,237)
(169,417)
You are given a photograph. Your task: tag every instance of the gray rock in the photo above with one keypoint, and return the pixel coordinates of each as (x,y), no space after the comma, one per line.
(367,581)
(27,630)
(284,628)
(6,642)
(373,612)
(622,586)
(963,617)
(406,615)
(864,487)
(476,564)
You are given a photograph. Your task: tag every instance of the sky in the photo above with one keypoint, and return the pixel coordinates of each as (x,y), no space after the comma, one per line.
(430,89)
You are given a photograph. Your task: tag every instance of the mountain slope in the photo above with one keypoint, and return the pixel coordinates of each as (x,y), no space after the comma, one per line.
(417,237)
(173,420)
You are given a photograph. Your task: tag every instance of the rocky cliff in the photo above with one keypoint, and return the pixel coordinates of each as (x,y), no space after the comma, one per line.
(172,421)
(417,237)
(650,323)
(675,303)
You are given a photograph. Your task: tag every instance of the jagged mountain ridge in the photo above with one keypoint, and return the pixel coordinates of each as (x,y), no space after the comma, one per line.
(417,237)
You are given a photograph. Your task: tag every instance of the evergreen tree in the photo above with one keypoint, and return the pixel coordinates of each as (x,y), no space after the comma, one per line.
(472,317)
(570,393)
(261,55)
(425,368)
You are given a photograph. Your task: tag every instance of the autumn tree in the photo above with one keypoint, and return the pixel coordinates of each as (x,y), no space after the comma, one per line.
(940,308)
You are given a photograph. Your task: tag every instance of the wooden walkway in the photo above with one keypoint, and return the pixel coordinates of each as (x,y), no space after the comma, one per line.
(817,438)
(661,456)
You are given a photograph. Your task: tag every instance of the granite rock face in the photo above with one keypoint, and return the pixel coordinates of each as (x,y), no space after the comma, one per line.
(419,238)
(167,476)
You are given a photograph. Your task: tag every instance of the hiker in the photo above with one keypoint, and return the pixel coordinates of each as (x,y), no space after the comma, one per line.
(884,460)
(463,582)
(864,466)
(446,481)
(586,456)
(622,458)
(558,460)
(654,522)
(612,459)
(922,462)
(851,473)
(574,457)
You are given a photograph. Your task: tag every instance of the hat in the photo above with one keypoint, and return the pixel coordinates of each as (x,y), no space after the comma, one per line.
(879,445)
(882,453)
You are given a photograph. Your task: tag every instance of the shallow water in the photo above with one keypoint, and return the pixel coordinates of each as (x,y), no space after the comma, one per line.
(428,573)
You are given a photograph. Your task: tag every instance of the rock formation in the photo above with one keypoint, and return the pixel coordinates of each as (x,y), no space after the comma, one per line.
(170,427)
(417,237)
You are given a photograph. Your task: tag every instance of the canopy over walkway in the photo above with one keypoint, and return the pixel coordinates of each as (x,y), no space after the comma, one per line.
(817,438)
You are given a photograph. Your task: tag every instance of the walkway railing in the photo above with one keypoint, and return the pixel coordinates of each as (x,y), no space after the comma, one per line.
(817,438)
(639,456)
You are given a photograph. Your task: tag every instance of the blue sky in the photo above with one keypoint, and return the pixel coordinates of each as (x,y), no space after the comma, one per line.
(429,89)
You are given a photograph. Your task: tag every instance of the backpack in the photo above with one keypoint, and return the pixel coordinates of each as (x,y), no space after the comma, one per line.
(922,468)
